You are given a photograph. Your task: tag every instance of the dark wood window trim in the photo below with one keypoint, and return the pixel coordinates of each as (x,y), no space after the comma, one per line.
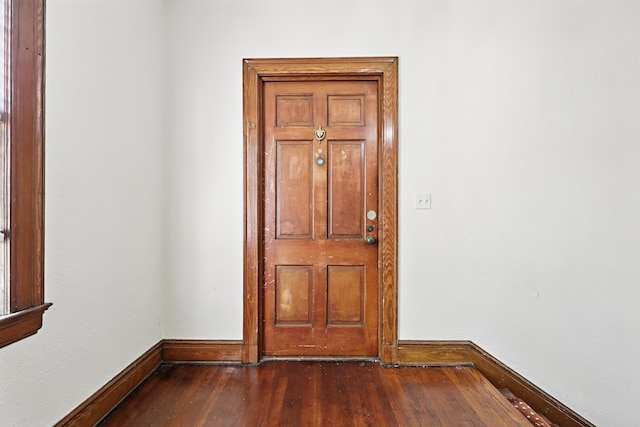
(26,123)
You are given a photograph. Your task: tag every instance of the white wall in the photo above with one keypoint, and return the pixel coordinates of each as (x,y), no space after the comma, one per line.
(520,118)
(104,204)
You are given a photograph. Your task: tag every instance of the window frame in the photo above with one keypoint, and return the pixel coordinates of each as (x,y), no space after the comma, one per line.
(26,166)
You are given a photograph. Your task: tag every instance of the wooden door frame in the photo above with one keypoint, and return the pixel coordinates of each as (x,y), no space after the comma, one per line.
(384,70)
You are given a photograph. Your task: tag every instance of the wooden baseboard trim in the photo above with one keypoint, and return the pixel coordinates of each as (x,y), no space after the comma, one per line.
(410,353)
(202,351)
(466,353)
(102,402)
(435,353)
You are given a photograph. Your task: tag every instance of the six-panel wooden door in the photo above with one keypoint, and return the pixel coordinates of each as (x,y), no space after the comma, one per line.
(321,203)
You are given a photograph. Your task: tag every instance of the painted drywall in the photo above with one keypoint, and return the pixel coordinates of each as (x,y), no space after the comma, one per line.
(104,204)
(519,118)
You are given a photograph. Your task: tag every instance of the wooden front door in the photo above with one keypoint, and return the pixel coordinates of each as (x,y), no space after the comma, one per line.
(320,218)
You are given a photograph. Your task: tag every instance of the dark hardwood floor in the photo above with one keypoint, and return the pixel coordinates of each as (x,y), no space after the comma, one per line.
(304,393)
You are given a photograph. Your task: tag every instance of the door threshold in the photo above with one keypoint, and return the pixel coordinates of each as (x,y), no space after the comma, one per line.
(332,359)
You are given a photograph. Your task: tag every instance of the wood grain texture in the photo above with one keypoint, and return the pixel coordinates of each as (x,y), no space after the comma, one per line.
(367,400)
(22,324)
(255,73)
(27,155)
(504,377)
(435,353)
(202,351)
(316,394)
(96,407)
(319,272)
(348,170)
(465,353)
(293,190)
(253,216)
(26,181)
(389,222)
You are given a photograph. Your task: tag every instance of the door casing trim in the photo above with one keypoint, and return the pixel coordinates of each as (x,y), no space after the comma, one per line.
(384,70)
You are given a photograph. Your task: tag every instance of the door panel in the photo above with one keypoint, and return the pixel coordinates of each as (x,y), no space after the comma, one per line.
(294,110)
(345,295)
(346,169)
(321,277)
(293,295)
(294,189)
(346,110)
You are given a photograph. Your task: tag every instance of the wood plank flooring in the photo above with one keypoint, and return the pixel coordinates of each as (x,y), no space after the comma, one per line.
(305,393)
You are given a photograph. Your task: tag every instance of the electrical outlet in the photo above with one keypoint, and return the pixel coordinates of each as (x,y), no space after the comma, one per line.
(423,201)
